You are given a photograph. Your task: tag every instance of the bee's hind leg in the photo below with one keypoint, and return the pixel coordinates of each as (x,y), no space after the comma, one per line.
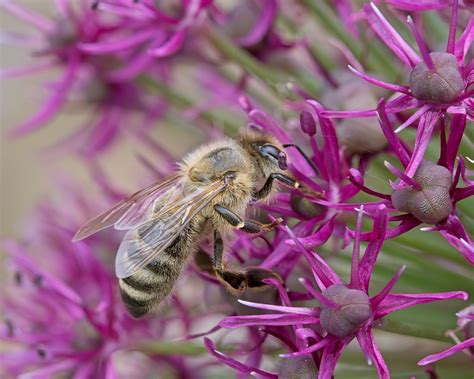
(238,280)
(234,280)
(248,226)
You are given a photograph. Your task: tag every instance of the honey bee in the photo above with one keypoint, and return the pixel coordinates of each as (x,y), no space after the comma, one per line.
(166,221)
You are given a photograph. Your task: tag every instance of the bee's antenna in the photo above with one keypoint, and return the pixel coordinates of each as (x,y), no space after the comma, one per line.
(300,150)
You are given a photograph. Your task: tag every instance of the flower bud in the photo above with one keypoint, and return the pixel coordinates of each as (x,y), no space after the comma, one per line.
(299,367)
(442,84)
(308,125)
(352,311)
(433,203)
(361,135)
(305,207)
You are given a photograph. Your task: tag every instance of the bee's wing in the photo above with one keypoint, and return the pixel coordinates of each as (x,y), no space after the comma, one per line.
(142,244)
(134,209)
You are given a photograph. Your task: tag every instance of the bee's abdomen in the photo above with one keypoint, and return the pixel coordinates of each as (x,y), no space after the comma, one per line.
(151,285)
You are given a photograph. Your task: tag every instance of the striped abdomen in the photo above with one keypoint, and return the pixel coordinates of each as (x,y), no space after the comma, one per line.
(149,286)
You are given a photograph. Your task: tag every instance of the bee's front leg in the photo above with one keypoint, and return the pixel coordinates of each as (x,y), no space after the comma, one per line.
(248,226)
(267,187)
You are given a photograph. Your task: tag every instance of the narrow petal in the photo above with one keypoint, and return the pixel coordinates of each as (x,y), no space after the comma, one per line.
(415,116)
(317,239)
(376,300)
(392,138)
(25,70)
(28,16)
(310,349)
(419,5)
(447,353)
(425,129)
(331,148)
(389,36)
(394,302)
(280,308)
(452,28)
(262,25)
(119,44)
(241,367)
(171,46)
(369,347)
(330,356)
(320,268)
(52,105)
(377,239)
(233,322)
(464,42)
(268,124)
(379,83)
(456,131)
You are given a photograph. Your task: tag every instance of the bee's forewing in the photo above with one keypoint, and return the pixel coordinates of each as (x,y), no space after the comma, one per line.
(130,211)
(142,244)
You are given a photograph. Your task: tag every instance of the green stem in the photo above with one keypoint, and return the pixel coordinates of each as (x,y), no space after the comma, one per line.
(274,79)
(171,348)
(326,17)
(398,327)
(230,127)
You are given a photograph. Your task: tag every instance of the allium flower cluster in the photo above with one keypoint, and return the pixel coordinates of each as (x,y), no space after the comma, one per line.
(373,103)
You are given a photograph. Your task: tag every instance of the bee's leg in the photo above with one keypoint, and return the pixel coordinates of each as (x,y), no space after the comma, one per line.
(266,188)
(218,251)
(248,226)
(234,280)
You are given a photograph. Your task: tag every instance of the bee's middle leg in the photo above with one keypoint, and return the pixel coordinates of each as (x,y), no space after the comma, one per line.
(248,226)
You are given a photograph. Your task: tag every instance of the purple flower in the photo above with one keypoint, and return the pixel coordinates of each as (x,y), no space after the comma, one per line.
(160,29)
(86,80)
(428,193)
(439,81)
(63,313)
(346,311)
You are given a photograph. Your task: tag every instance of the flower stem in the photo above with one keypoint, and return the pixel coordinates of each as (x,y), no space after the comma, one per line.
(399,327)
(328,19)
(276,80)
(182,102)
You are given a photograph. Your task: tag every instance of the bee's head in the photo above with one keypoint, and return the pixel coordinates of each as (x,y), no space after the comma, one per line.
(267,153)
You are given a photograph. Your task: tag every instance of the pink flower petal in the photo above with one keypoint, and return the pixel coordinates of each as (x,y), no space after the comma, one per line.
(389,36)
(394,302)
(447,353)
(370,349)
(425,129)
(241,367)
(171,46)
(233,322)
(379,83)
(262,25)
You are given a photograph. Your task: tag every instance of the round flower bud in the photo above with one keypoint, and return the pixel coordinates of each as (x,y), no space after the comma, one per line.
(300,367)
(361,135)
(442,84)
(357,135)
(308,125)
(353,310)
(433,203)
